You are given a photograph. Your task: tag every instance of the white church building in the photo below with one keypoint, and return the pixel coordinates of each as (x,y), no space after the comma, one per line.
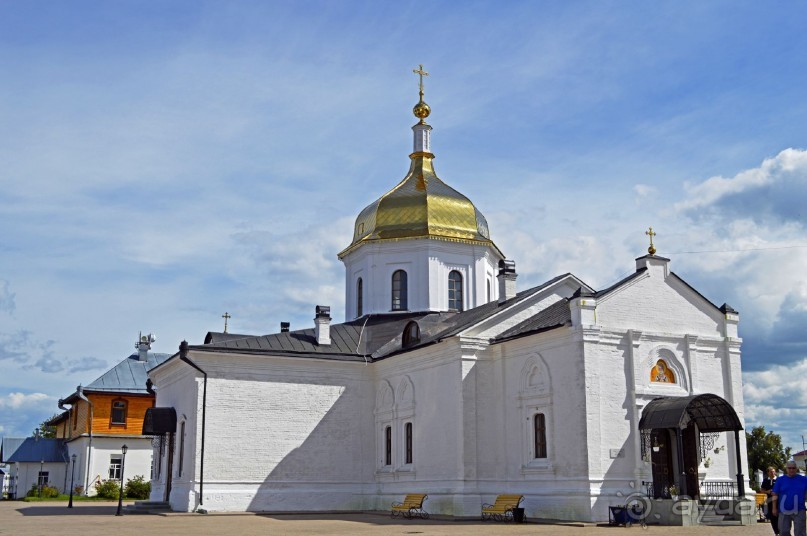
(447,380)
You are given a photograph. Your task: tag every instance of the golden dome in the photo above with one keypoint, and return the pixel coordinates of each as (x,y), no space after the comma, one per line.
(420,206)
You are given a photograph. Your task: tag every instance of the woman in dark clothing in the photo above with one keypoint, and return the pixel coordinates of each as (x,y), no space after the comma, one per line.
(767,486)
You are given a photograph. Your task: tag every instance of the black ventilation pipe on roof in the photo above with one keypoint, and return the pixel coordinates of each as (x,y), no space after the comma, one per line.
(183,355)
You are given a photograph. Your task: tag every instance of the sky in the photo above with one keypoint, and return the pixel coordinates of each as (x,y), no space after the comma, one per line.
(165,162)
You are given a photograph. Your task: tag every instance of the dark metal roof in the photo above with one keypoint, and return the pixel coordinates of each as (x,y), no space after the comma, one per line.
(350,341)
(455,323)
(380,335)
(556,315)
(159,421)
(31,449)
(128,376)
(215,337)
(710,412)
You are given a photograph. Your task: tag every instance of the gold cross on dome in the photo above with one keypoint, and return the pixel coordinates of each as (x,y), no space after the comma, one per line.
(226,316)
(651,234)
(420,72)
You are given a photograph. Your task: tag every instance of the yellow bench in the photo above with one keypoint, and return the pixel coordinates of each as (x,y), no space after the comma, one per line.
(412,506)
(502,508)
(761,499)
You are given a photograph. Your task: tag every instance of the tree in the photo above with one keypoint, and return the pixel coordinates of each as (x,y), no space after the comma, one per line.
(46,430)
(765,449)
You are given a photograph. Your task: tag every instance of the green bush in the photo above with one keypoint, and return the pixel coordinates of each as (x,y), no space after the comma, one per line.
(108,489)
(137,488)
(47,492)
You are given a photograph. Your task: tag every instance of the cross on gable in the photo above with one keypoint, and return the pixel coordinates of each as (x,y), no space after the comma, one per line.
(651,234)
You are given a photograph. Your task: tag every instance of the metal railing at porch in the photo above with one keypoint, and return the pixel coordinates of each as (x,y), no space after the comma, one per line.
(709,489)
(712,489)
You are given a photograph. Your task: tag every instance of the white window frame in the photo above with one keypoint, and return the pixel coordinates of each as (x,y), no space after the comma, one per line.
(115,468)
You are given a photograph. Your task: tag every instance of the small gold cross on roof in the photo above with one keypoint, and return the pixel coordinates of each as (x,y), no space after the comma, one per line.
(651,234)
(420,72)
(226,316)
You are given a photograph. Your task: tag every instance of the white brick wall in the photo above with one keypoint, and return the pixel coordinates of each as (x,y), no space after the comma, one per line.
(290,434)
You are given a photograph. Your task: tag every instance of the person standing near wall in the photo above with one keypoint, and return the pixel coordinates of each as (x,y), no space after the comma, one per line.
(767,487)
(789,493)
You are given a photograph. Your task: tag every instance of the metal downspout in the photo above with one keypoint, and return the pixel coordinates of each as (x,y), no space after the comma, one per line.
(80,391)
(183,355)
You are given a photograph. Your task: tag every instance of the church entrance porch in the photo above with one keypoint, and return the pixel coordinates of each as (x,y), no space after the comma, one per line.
(161,424)
(678,433)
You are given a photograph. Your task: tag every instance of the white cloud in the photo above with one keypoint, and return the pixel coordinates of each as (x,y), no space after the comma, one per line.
(773,191)
(21,412)
(644,191)
(776,399)
(21,400)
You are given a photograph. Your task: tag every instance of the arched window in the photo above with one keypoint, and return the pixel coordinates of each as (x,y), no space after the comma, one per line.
(388,445)
(411,334)
(408,442)
(455,291)
(359,297)
(539,431)
(118,415)
(399,291)
(487,283)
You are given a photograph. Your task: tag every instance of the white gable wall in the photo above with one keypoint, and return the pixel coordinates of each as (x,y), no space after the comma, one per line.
(652,317)
(659,302)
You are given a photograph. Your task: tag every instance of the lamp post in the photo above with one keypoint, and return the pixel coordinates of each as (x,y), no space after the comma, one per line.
(39,480)
(72,476)
(123,449)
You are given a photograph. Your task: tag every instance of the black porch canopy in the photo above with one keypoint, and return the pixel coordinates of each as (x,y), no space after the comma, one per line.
(159,421)
(710,412)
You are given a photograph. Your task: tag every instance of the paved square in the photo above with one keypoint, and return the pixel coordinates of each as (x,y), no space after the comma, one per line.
(98,519)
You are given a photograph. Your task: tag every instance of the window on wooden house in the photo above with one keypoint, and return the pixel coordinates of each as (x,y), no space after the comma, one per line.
(118,412)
